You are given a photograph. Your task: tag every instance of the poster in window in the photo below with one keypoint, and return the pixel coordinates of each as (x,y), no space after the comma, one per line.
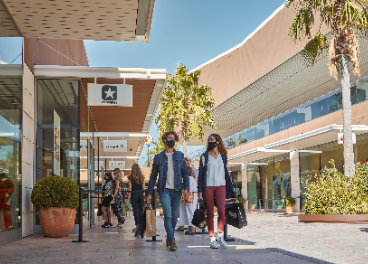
(56,150)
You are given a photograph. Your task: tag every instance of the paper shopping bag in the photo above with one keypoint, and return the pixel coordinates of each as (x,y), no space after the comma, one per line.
(150,223)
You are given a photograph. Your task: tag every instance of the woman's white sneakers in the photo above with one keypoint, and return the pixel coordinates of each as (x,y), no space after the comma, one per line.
(213,244)
(222,241)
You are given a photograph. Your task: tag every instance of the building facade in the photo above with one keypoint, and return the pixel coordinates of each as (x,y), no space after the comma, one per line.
(279,119)
(45,82)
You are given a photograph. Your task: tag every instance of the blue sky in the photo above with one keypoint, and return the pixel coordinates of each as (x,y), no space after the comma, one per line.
(184,31)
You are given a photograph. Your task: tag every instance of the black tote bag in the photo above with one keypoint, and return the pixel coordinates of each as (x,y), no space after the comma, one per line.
(235,215)
(199,218)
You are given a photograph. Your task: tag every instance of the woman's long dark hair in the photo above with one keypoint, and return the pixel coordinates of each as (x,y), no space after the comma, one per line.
(221,146)
(136,175)
(109,177)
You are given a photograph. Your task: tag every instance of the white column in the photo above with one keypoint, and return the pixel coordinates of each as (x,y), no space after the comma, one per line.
(295,179)
(244,168)
(28,150)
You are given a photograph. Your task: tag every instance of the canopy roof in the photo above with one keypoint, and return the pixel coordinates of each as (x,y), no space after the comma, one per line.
(117,20)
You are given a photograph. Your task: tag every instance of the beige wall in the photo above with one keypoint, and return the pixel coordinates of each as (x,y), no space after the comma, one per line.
(264,51)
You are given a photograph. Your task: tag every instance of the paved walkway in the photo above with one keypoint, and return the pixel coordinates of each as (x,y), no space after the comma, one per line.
(317,243)
(119,246)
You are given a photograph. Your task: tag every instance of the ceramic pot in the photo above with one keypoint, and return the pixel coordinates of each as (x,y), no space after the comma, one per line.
(57,221)
(289,209)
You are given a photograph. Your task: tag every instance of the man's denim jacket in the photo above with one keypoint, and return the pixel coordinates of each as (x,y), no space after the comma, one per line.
(159,166)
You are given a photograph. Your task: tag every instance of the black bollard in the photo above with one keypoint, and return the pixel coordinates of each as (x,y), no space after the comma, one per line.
(80,236)
(226,237)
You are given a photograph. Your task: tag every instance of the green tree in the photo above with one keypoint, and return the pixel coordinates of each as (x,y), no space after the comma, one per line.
(347,20)
(185,106)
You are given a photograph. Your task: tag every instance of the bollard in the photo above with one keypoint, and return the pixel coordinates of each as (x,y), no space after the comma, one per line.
(80,236)
(226,237)
(260,206)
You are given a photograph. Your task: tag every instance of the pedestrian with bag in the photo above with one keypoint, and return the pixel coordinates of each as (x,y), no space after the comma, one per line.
(173,178)
(136,198)
(118,198)
(215,186)
(187,207)
(106,200)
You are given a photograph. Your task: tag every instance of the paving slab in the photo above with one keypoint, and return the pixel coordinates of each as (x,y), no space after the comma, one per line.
(119,246)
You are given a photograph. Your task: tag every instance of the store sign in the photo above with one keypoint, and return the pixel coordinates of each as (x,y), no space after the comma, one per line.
(115,146)
(56,153)
(117,164)
(110,95)
(340,138)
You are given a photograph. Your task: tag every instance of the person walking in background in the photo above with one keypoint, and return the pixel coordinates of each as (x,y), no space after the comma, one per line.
(118,198)
(136,188)
(214,184)
(173,178)
(187,209)
(106,200)
(183,207)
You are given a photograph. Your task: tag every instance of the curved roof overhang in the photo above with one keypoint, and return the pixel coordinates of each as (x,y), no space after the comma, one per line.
(287,86)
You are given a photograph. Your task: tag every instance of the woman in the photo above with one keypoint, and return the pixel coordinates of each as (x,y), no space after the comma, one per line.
(187,209)
(106,200)
(118,198)
(214,184)
(136,187)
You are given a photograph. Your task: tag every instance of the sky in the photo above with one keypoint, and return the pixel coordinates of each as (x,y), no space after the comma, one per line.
(184,31)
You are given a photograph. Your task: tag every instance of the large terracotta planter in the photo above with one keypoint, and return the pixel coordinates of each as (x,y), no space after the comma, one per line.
(326,218)
(57,221)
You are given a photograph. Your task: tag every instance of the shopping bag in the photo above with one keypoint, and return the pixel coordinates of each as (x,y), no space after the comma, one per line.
(99,212)
(235,215)
(150,222)
(199,217)
(189,199)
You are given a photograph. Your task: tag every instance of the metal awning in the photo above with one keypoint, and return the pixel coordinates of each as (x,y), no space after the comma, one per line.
(289,85)
(301,142)
(113,20)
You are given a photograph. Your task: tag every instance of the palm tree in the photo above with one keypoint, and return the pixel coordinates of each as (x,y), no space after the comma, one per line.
(185,106)
(347,20)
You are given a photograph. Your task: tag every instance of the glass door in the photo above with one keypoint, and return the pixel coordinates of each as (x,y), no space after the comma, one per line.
(91,183)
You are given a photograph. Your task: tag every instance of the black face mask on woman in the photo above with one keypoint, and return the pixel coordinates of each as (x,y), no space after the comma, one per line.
(212,145)
(170,143)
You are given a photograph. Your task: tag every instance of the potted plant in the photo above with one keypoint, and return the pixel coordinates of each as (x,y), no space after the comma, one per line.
(240,200)
(289,203)
(57,198)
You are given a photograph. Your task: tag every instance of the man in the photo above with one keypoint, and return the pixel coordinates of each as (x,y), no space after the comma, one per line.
(173,178)
(183,208)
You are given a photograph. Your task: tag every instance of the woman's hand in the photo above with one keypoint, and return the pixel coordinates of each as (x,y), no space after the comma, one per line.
(200,197)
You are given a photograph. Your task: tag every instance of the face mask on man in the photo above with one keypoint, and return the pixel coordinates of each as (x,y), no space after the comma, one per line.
(212,145)
(170,143)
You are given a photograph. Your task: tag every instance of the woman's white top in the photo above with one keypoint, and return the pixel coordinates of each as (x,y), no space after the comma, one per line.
(192,184)
(215,171)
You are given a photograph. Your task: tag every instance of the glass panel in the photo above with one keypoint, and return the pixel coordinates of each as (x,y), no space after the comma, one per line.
(10,153)
(60,97)
(316,108)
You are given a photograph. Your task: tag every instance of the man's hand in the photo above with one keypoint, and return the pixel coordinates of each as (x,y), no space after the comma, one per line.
(200,197)
(149,198)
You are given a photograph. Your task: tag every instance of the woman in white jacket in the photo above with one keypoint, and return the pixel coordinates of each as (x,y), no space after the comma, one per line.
(187,209)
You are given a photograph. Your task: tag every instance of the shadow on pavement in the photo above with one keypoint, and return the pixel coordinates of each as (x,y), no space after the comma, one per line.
(289,253)
(363,229)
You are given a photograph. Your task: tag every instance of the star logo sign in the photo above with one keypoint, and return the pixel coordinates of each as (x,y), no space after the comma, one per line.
(109,92)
